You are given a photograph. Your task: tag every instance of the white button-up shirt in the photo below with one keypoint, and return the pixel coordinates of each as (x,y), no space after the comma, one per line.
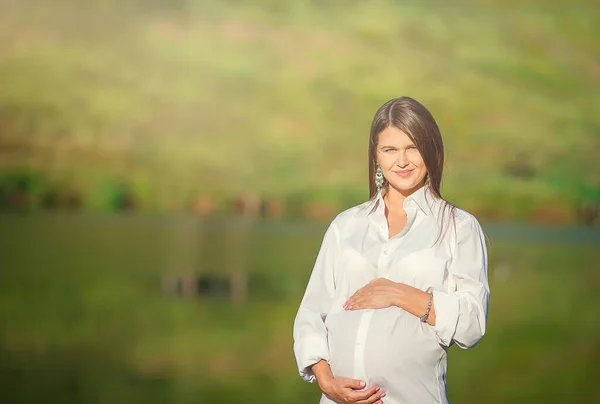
(391,347)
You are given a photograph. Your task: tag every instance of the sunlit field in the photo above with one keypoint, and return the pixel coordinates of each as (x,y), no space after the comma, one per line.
(180,99)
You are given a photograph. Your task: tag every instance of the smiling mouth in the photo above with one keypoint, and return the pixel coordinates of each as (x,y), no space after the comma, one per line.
(403,173)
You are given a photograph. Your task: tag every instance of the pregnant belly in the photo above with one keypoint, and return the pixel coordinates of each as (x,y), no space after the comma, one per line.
(401,346)
(391,344)
(342,328)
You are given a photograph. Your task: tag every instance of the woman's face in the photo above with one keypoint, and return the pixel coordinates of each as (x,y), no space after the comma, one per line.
(400,160)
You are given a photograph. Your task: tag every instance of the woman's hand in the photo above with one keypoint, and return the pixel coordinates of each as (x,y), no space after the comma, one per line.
(349,391)
(342,390)
(381,293)
(377,294)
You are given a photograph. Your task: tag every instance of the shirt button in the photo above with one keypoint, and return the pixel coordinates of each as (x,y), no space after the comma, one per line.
(384,252)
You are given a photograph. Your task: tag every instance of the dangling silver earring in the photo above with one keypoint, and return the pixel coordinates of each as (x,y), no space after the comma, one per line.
(378,178)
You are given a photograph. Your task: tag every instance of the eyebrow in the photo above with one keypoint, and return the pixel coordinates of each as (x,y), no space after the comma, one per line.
(396,147)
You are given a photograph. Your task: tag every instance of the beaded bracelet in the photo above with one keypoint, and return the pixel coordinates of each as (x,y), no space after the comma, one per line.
(424,318)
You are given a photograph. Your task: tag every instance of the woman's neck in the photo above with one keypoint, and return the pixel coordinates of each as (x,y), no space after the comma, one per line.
(394,199)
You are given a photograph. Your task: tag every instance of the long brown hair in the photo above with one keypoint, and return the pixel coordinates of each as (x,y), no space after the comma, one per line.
(412,118)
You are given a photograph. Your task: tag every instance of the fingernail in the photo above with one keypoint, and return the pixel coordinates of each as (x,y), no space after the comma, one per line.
(377,388)
(362,384)
(382,394)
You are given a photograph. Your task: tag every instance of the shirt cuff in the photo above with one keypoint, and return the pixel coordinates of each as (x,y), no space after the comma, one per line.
(446,317)
(310,350)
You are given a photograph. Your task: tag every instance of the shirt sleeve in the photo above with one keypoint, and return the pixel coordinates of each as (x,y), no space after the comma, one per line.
(461,313)
(310,333)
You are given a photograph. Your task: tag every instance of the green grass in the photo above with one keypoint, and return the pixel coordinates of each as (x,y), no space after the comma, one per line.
(84,319)
(187,98)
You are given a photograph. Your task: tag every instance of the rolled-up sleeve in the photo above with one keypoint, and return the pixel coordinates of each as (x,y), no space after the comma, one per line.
(461,312)
(310,333)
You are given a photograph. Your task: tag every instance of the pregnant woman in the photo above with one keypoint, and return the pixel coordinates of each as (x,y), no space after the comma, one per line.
(398,279)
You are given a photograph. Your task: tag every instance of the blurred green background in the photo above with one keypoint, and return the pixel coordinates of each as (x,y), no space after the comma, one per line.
(168,169)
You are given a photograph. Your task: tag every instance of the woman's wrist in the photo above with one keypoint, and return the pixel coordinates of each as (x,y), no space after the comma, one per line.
(415,301)
(400,295)
(323,374)
(324,383)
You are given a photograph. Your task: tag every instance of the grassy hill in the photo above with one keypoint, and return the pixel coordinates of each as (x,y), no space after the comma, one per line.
(183,98)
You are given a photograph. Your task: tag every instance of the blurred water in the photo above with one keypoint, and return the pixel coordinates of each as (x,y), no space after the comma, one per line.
(85,316)
(538,233)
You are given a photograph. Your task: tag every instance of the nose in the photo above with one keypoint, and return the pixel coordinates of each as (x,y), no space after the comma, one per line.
(402,160)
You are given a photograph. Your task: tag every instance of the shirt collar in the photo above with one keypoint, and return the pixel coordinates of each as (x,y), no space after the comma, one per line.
(423,198)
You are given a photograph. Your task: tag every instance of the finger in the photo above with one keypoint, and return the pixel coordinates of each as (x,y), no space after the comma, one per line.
(373,399)
(358,304)
(354,384)
(361,294)
(365,396)
(361,303)
(353,300)
(352,303)
(368,304)
(356,294)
